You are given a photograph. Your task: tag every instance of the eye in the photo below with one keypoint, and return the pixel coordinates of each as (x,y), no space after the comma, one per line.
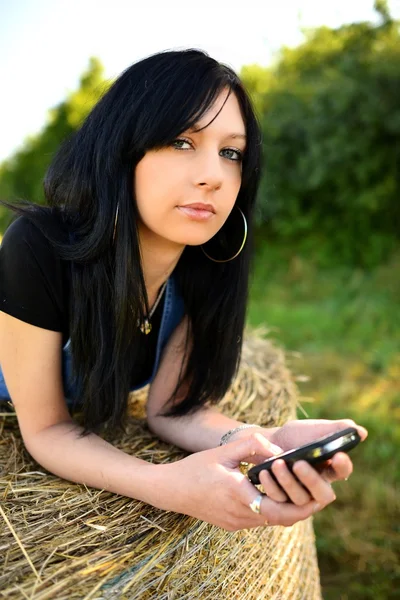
(238,152)
(180,140)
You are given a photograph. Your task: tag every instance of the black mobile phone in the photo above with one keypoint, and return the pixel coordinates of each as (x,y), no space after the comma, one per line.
(315,453)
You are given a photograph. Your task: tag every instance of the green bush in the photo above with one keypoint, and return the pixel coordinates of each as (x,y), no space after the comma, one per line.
(331,130)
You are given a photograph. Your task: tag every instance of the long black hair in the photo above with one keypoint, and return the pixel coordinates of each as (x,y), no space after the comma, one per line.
(147,107)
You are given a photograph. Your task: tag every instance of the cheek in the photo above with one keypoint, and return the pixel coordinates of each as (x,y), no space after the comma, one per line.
(155,182)
(145,186)
(235,180)
(144,178)
(154,198)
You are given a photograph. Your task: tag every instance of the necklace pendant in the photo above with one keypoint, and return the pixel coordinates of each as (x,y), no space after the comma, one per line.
(145,327)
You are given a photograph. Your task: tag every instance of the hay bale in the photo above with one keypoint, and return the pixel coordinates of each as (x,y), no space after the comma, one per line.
(60,540)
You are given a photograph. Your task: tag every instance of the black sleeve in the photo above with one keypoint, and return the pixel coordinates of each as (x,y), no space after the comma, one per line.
(31,280)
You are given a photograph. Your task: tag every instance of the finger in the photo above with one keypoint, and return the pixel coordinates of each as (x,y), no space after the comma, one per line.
(320,489)
(271,512)
(344,423)
(294,490)
(283,513)
(341,467)
(271,488)
(325,427)
(254,448)
(335,469)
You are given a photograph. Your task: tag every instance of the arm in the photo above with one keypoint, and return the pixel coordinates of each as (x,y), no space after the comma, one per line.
(30,359)
(204,429)
(200,431)
(94,462)
(194,433)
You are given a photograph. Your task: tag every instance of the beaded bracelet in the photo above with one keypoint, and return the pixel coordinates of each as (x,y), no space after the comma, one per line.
(229,433)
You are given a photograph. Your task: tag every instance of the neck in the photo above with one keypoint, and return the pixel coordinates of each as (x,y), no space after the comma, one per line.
(159,259)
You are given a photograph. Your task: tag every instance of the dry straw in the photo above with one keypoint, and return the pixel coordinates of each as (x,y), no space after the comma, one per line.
(63,541)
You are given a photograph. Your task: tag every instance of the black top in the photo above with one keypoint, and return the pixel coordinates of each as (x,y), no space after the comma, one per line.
(35,287)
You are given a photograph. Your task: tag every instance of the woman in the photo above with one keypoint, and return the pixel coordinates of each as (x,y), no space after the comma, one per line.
(120,282)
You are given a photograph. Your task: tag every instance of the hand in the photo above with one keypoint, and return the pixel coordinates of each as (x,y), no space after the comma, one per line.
(209,485)
(296,433)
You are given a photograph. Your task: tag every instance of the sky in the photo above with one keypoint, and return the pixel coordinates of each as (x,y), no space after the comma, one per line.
(45,45)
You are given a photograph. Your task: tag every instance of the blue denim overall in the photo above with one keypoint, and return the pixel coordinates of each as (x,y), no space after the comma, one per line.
(173,312)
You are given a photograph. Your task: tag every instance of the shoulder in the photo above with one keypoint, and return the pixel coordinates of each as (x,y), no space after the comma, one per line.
(26,239)
(23,231)
(32,283)
(26,253)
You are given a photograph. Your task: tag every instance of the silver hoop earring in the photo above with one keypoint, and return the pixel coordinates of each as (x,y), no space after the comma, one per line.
(241,247)
(115,222)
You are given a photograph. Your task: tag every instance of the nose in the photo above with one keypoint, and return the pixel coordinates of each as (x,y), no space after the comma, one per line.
(209,171)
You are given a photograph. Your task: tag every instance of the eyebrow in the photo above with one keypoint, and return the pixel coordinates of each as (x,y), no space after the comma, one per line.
(231,135)
(237,135)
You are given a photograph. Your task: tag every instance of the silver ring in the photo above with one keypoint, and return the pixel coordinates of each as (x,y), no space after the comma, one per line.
(256,504)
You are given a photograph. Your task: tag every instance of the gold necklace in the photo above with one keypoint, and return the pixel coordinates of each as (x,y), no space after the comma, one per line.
(146,326)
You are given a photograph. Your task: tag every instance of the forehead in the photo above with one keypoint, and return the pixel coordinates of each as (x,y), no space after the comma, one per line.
(224,115)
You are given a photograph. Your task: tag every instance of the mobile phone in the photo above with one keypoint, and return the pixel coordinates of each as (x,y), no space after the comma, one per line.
(315,453)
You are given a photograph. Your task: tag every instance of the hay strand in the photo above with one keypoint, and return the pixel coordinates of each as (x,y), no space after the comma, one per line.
(20,544)
(64,541)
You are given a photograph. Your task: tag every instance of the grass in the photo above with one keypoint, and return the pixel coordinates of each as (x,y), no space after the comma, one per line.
(340,328)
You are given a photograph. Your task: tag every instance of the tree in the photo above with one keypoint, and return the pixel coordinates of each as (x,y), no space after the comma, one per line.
(21,176)
(331,130)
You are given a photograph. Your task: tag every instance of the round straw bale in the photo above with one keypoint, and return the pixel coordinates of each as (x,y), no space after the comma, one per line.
(60,540)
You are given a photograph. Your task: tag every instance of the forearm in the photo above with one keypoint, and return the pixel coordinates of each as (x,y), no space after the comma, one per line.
(197,432)
(93,461)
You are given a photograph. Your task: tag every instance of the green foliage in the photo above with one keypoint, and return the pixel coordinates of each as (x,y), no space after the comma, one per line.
(346,309)
(381,7)
(22,175)
(331,131)
(339,329)
(258,81)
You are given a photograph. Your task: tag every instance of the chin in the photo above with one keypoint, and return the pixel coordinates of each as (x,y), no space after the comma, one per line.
(185,237)
(193,240)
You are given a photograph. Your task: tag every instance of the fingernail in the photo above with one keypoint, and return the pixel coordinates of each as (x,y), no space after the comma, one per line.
(316,507)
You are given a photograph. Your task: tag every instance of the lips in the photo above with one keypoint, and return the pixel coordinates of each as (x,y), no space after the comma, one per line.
(200,206)
(196,214)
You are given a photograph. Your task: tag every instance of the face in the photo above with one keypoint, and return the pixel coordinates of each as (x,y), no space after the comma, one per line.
(202,166)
